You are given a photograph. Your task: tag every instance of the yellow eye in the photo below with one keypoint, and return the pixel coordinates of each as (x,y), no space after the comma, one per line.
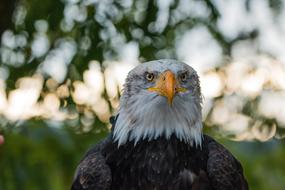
(183,77)
(149,76)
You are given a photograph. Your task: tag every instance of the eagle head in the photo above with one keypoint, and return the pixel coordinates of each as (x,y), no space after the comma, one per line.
(160,98)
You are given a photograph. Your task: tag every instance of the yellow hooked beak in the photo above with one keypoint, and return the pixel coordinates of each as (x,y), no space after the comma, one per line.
(167,85)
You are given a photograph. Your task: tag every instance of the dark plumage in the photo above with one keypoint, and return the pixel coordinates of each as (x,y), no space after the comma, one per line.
(160,164)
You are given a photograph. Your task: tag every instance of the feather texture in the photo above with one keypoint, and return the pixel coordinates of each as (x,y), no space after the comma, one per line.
(159,164)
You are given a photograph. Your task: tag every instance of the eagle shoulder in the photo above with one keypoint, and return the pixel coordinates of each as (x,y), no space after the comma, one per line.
(224,170)
(93,172)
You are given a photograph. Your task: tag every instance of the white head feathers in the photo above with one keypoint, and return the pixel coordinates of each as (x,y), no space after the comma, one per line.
(147,115)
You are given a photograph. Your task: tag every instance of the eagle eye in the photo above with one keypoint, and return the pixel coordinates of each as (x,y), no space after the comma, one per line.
(183,77)
(149,76)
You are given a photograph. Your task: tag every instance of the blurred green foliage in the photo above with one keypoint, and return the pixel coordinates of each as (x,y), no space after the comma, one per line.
(36,156)
(43,154)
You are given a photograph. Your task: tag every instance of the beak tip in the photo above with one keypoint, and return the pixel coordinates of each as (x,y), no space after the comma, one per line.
(170,101)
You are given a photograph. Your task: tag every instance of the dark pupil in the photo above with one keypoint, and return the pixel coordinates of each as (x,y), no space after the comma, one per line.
(183,77)
(149,76)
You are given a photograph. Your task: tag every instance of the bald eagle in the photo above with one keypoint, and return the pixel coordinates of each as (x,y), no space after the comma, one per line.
(156,142)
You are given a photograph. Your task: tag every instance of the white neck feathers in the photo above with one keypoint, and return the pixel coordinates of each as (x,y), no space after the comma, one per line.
(148,117)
